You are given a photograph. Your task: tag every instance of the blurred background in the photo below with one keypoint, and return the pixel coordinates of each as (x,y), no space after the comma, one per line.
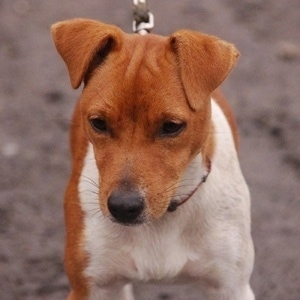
(36,104)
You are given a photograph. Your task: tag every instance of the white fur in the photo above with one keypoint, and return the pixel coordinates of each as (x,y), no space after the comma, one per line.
(207,238)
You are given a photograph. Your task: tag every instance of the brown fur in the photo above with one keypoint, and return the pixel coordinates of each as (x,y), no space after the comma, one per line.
(75,257)
(220,99)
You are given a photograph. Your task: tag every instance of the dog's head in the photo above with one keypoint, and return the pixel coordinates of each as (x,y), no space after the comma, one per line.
(146,110)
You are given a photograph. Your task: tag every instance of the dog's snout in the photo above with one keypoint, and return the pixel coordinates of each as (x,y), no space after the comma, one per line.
(126,206)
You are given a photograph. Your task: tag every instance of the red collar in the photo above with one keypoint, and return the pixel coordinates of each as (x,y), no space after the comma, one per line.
(174,204)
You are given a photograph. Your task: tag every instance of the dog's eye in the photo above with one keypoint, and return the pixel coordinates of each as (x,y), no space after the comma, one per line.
(172,128)
(99,125)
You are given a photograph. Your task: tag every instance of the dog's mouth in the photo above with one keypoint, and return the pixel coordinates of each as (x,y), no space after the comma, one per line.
(136,222)
(126,221)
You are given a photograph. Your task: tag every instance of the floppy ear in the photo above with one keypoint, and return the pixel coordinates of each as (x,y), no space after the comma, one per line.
(80,41)
(204,62)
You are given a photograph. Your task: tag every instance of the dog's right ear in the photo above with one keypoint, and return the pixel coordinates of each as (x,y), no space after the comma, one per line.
(81,43)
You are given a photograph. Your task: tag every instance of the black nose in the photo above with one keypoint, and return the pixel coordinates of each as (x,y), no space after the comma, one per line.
(126,206)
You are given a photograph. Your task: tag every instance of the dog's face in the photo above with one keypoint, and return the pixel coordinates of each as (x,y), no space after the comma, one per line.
(136,115)
(145,109)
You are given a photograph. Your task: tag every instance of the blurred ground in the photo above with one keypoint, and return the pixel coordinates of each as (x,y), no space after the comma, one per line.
(36,103)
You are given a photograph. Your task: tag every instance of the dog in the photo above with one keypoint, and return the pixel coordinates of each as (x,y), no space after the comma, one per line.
(156,193)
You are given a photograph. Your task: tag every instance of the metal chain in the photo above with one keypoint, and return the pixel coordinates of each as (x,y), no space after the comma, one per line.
(143,19)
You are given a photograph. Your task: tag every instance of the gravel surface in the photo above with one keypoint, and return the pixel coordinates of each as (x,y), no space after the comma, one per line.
(36,103)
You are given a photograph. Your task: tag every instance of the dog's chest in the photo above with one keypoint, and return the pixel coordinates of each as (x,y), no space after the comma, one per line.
(140,254)
(159,255)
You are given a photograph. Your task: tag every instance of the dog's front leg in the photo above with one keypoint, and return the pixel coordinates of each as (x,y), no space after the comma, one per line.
(246,293)
(127,292)
(112,292)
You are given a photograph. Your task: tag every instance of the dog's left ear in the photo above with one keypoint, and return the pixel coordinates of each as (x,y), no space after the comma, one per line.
(204,61)
(82,43)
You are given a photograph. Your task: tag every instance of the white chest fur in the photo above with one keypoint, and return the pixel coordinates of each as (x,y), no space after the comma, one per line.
(193,240)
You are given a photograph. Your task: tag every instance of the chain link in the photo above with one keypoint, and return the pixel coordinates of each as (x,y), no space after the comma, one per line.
(143,19)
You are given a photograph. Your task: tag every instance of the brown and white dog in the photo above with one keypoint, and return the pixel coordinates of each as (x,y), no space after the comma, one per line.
(156,191)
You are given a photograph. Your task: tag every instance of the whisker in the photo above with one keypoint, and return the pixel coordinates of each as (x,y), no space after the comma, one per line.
(177,185)
(90,191)
(90,180)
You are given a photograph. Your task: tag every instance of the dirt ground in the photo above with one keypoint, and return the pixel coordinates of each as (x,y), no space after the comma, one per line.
(36,102)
